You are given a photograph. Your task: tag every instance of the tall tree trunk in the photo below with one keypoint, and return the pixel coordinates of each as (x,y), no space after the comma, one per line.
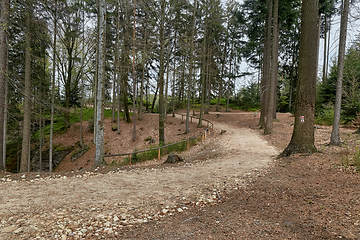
(125,62)
(325,50)
(53,92)
(161,75)
(302,140)
(167,86)
(82,86)
(328,49)
(266,78)
(99,124)
(155,98)
(173,97)
(271,101)
(134,75)
(203,82)
(335,135)
(190,79)
(113,104)
(4,24)
(27,95)
(144,65)
(117,65)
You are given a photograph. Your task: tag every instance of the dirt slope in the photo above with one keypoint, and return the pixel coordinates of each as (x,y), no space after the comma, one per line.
(94,205)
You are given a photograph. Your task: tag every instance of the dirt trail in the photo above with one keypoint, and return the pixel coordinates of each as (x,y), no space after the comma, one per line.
(94,205)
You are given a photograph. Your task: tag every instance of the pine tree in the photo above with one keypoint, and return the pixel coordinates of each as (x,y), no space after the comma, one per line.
(303,140)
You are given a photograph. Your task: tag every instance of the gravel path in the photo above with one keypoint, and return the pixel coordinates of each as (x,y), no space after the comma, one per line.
(94,205)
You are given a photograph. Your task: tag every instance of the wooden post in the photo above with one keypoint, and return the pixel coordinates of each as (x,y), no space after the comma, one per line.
(159,154)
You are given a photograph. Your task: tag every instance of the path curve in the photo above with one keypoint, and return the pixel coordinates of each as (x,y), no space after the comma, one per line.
(94,205)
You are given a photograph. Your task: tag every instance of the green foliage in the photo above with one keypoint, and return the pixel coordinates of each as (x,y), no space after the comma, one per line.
(351,87)
(325,116)
(153,153)
(352,161)
(59,120)
(248,98)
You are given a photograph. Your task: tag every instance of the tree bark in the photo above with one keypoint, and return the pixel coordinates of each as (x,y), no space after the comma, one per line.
(99,124)
(271,101)
(53,92)
(25,150)
(325,50)
(265,83)
(117,65)
(203,82)
(173,94)
(302,140)
(134,75)
(161,76)
(191,67)
(335,135)
(4,25)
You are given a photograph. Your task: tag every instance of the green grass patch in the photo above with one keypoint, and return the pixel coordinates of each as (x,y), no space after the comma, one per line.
(59,120)
(153,153)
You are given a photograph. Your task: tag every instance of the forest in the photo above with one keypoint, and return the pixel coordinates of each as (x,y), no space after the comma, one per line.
(75,61)
(179,119)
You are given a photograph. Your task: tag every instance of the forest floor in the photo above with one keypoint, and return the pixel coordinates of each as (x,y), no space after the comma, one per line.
(230,187)
(121,143)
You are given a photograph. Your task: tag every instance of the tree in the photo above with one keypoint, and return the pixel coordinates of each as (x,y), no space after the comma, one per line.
(266,78)
(335,136)
(161,75)
(302,140)
(4,24)
(99,124)
(25,149)
(53,91)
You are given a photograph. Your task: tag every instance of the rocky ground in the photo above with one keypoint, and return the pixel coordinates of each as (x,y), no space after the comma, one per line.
(230,187)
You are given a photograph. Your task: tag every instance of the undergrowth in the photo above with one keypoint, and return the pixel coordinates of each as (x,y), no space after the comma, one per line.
(152,153)
(352,161)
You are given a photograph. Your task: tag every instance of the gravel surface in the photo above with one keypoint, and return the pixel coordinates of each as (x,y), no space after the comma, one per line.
(92,205)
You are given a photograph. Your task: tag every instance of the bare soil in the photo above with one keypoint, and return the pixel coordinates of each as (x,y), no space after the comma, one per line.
(121,143)
(230,187)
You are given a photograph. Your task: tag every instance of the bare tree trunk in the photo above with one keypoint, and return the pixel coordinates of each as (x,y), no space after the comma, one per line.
(5,124)
(144,65)
(82,77)
(325,50)
(190,79)
(27,95)
(167,87)
(53,92)
(113,104)
(203,82)
(99,124)
(269,111)
(173,95)
(41,138)
(302,140)
(335,135)
(328,49)
(134,76)
(265,83)
(4,24)
(117,65)
(161,76)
